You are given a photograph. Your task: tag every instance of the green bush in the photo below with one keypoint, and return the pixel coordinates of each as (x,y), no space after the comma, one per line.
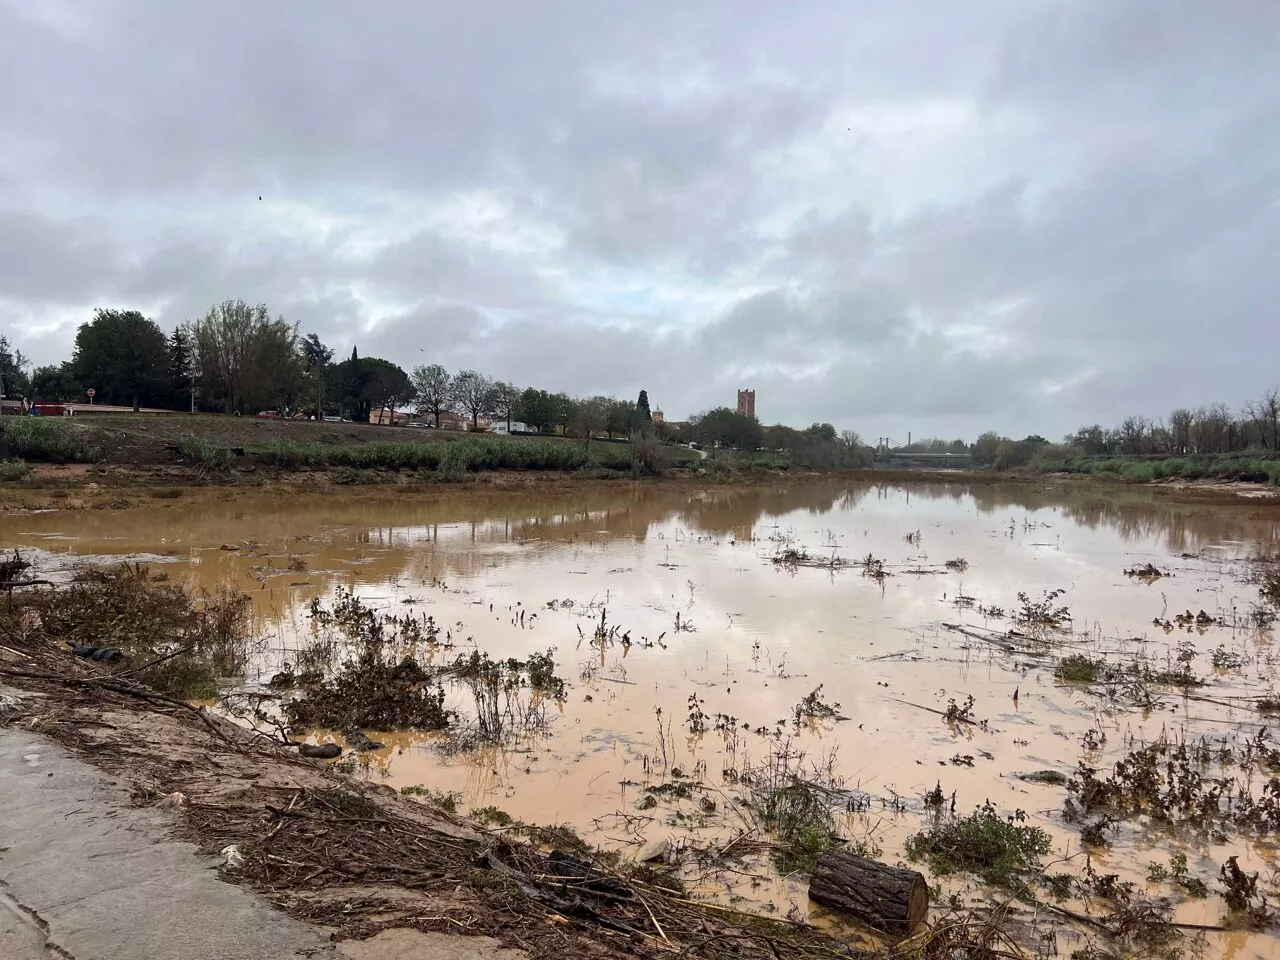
(472,454)
(203,452)
(648,456)
(13,469)
(45,439)
(998,849)
(1133,469)
(293,456)
(1078,668)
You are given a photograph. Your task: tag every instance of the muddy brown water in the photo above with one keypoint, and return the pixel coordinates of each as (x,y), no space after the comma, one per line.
(755,637)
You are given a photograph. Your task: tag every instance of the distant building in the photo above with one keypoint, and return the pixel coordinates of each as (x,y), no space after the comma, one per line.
(747,403)
(386,417)
(500,426)
(656,416)
(452,421)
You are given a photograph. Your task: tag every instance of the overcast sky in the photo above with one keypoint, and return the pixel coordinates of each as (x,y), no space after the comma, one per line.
(938,217)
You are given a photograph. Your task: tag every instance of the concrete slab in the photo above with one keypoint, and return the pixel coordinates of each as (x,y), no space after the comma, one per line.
(84,875)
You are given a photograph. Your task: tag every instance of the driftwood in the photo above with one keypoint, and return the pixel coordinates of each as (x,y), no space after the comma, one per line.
(873,893)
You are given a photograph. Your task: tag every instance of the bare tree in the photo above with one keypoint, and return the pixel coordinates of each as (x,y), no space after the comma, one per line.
(588,417)
(1212,430)
(435,389)
(503,399)
(1265,414)
(1133,434)
(1271,405)
(857,453)
(1180,430)
(473,393)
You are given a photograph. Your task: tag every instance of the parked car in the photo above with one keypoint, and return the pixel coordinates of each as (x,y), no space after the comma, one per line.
(269,415)
(333,420)
(417,426)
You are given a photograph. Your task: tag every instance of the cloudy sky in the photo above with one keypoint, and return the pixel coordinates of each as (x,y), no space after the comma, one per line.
(938,217)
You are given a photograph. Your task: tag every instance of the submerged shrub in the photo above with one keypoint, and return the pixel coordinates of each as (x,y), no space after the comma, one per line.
(148,618)
(996,848)
(1078,668)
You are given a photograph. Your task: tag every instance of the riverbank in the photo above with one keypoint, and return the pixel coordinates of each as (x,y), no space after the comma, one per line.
(114,462)
(116,487)
(358,864)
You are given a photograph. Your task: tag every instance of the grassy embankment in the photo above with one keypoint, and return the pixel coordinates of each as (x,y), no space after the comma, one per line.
(214,444)
(1252,467)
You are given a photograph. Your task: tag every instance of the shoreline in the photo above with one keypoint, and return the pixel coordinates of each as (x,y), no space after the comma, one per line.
(355,861)
(116,487)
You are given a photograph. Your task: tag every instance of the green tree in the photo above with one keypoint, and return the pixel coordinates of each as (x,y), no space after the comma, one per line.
(13,370)
(536,408)
(434,389)
(180,372)
(986,449)
(123,356)
(643,415)
(247,360)
(385,385)
(821,431)
(1088,440)
(623,418)
(562,409)
(56,383)
(316,358)
(348,381)
(724,427)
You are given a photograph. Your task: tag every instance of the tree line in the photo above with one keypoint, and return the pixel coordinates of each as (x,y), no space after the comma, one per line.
(240,359)
(818,445)
(1213,429)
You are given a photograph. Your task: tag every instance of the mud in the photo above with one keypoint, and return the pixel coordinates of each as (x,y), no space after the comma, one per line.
(690,656)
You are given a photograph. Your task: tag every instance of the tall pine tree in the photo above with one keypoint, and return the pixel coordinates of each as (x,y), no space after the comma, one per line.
(181,371)
(644,418)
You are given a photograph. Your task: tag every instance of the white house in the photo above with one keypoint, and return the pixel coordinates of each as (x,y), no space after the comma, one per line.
(500,426)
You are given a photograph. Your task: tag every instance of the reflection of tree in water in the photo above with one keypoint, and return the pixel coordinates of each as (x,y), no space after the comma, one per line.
(379,535)
(738,511)
(1134,514)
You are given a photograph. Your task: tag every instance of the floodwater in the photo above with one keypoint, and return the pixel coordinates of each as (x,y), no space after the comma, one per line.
(689,576)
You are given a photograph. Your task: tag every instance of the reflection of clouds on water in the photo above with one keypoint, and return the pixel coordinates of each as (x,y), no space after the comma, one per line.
(379,538)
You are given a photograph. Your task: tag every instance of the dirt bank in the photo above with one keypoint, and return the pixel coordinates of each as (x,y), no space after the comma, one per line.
(141,459)
(122,487)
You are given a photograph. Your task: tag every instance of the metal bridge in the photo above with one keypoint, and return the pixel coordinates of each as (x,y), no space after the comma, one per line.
(885,453)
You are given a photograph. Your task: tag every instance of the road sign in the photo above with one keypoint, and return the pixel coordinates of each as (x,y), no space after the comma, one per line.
(91,391)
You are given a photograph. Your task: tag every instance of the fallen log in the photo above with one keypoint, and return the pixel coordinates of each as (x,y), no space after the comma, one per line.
(875,894)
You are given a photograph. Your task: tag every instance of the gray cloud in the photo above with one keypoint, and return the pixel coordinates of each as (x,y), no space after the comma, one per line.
(1004,214)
